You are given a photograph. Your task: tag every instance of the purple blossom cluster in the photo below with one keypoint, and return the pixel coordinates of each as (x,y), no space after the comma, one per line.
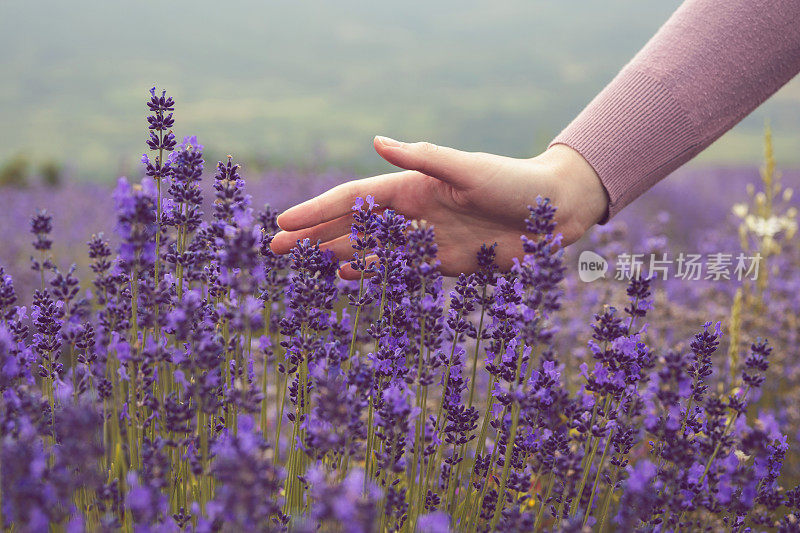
(199,382)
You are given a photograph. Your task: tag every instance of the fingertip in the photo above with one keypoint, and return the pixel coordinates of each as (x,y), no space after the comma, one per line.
(296,218)
(281,244)
(287,220)
(279,220)
(347,273)
(389,149)
(386,142)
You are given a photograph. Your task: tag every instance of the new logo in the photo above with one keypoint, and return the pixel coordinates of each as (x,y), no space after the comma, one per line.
(591,266)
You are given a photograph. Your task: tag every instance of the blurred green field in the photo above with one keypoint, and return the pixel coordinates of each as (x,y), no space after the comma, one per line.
(283,82)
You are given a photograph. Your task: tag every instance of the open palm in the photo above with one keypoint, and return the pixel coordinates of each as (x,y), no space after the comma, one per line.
(468,198)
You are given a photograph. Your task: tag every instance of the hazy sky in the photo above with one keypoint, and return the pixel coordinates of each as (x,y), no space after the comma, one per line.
(281,79)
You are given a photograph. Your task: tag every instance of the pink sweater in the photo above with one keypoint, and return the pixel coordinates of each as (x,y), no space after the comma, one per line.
(711,64)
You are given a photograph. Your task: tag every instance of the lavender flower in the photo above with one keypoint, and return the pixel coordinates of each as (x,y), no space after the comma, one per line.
(197,380)
(136,224)
(248,482)
(158,123)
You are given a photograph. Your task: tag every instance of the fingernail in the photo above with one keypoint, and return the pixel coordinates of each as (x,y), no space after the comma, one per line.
(386,141)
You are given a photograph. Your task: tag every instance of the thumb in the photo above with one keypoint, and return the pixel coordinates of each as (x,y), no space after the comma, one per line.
(446,164)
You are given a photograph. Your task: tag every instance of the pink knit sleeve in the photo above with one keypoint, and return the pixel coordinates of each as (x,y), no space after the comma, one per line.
(711,64)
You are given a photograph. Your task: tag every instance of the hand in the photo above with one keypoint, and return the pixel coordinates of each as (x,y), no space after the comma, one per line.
(469,199)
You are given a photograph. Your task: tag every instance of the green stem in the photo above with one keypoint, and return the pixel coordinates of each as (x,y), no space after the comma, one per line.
(560,510)
(477,351)
(506,467)
(419,430)
(440,410)
(368,458)
(370,443)
(480,445)
(281,406)
(597,478)
(446,380)
(511,439)
(710,461)
(492,460)
(386,483)
(356,319)
(607,501)
(587,465)
(543,503)
(420,489)
(288,488)
(265,373)
(452,483)
(157,329)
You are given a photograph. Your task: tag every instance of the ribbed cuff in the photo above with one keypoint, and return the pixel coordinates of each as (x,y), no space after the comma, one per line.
(633,134)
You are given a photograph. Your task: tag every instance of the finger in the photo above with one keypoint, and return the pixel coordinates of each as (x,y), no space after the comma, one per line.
(347,272)
(327,231)
(338,201)
(342,247)
(446,164)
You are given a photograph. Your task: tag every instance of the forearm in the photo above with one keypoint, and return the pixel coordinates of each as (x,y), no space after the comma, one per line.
(709,66)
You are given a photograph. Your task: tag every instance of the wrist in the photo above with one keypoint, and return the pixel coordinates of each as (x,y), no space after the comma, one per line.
(581,196)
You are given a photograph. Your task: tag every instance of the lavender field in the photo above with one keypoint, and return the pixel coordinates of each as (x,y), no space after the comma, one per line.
(161,369)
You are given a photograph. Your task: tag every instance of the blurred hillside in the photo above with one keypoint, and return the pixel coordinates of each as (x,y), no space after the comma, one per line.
(287,81)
